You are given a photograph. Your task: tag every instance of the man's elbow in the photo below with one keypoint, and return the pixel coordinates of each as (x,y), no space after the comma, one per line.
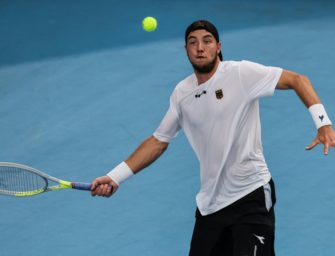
(160,146)
(300,80)
(292,80)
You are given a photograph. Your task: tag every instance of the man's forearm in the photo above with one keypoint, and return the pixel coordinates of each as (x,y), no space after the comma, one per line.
(146,153)
(301,85)
(305,91)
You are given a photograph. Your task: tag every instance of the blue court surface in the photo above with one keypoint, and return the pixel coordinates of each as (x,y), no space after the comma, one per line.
(81,85)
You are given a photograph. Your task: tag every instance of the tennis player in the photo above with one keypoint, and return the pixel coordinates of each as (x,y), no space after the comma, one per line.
(218,108)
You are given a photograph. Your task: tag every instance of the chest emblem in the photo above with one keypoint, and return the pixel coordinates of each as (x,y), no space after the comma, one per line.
(219,94)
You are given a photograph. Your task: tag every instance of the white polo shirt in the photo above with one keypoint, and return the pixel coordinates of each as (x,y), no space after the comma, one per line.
(221,121)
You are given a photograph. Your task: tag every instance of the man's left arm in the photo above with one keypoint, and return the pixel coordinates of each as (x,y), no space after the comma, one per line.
(304,89)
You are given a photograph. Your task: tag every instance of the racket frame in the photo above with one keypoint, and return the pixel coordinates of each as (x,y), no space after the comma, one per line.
(62,184)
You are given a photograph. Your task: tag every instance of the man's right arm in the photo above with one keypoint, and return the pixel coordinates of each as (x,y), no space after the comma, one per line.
(148,151)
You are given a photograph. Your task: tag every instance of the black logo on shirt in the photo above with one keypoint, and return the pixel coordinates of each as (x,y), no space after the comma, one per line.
(219,94)
(198,95)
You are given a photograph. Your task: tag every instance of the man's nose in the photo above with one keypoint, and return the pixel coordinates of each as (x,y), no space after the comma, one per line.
(200,47)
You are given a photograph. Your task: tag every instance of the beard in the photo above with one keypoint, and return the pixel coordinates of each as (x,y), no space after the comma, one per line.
(205,68)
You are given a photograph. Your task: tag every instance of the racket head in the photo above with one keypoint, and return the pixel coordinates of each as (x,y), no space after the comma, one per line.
(21,180)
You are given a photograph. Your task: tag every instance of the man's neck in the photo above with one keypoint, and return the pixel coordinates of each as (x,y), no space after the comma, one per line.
(204,77)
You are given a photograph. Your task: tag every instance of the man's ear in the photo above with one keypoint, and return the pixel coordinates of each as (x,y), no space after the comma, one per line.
(219,47)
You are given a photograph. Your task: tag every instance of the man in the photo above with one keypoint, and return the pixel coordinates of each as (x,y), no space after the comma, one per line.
(218,108)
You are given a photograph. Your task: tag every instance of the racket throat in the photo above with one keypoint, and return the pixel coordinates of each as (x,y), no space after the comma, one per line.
(62,185)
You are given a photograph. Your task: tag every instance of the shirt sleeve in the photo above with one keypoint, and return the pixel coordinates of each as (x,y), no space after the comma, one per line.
(170,125)
(258,80)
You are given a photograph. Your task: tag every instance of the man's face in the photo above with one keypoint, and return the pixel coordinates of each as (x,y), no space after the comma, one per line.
(202,50)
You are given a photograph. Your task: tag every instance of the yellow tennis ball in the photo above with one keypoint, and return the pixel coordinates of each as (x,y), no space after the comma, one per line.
(149,24)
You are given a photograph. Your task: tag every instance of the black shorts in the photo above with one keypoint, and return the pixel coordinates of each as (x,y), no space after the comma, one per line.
(244,228)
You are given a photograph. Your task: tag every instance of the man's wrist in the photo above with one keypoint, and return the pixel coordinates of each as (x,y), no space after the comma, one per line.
(319,115)
(120,173)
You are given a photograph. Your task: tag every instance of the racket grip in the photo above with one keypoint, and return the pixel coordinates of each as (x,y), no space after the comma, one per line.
(84,186)
(81,186)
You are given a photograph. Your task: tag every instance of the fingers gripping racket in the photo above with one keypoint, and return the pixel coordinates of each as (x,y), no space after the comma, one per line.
(21,180)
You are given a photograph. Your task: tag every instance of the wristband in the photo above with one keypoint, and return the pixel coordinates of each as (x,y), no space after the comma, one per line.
(120,173)
(319,115)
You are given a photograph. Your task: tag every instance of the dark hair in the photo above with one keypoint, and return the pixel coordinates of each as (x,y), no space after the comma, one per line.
(206,25)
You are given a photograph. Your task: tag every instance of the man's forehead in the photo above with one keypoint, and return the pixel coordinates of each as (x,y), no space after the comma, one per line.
(200,33)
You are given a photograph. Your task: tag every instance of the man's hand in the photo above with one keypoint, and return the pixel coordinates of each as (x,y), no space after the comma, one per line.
(325,136)
(103,186)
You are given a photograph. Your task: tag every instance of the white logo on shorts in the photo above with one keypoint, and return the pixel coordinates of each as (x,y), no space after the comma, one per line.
(260,238)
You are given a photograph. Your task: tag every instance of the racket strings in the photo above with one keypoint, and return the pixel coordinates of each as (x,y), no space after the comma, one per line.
(15,180)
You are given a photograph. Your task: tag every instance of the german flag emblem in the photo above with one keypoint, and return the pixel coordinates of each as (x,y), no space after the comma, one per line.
(219,94)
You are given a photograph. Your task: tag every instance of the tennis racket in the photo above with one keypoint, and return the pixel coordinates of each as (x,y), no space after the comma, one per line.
(20,180)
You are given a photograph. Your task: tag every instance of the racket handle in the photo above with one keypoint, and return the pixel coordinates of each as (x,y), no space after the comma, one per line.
(81,186)
(84,186)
